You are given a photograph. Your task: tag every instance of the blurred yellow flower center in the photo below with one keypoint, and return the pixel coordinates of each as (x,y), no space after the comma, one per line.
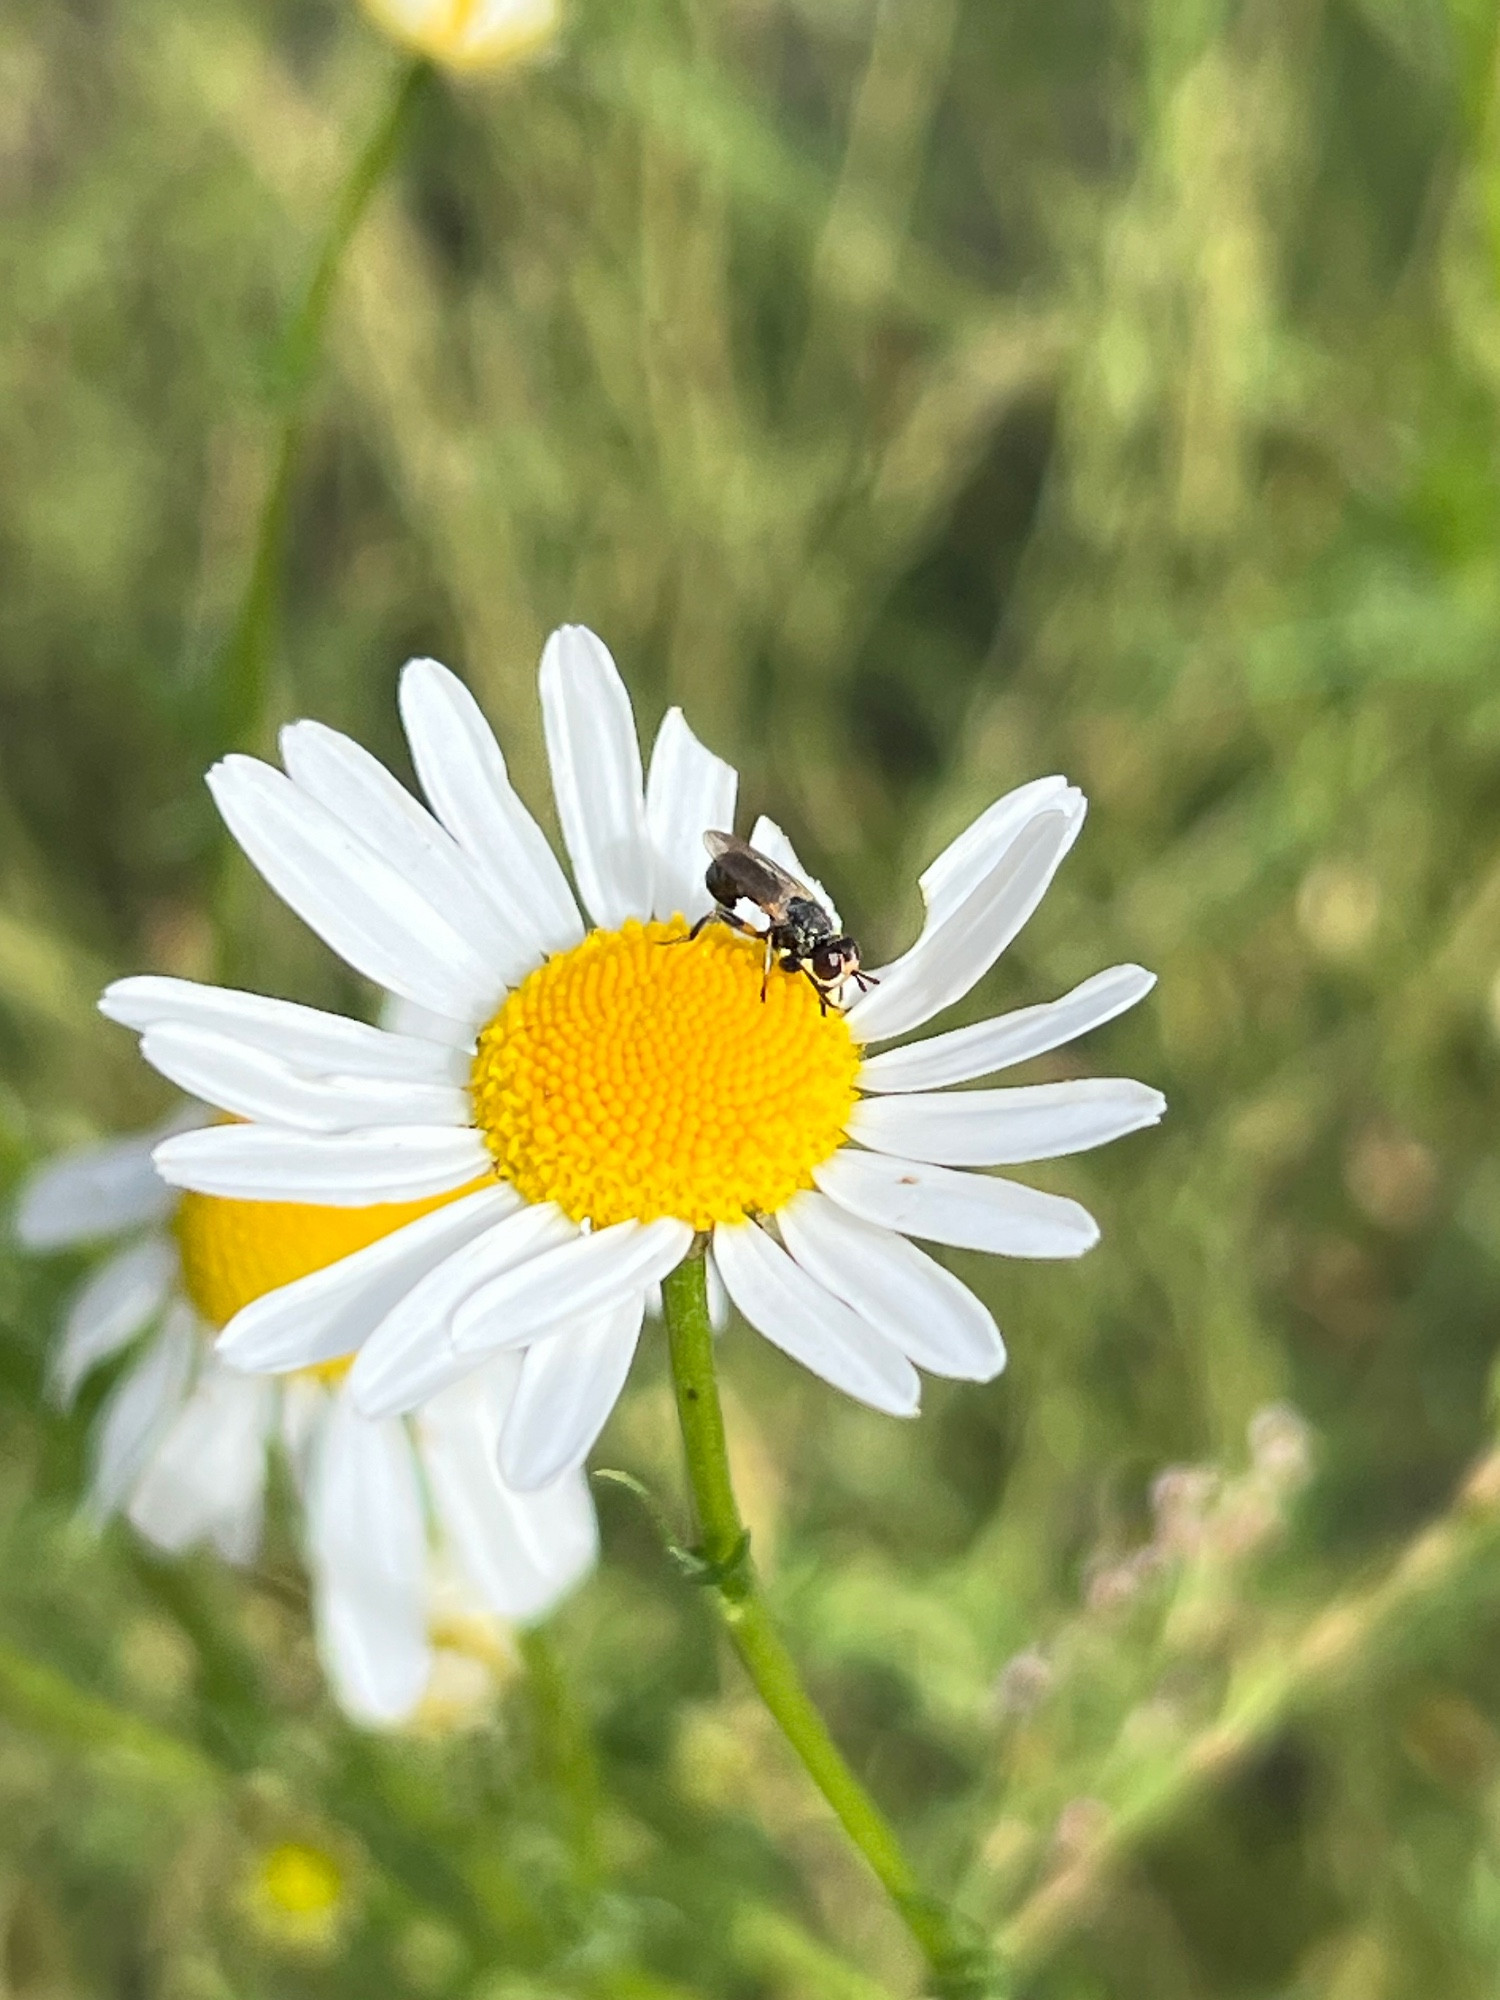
(301,1881)
(234,1251)
(469,34)
(628,1079)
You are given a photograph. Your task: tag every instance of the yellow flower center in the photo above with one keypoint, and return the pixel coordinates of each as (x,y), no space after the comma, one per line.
(627,1079)
(232,1252)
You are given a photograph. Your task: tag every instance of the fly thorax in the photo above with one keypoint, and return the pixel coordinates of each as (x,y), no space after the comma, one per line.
(805,926)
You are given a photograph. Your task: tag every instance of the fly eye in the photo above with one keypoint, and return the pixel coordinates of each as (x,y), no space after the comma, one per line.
(828,963)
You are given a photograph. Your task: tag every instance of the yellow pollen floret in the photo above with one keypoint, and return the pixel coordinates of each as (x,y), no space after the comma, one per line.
(232,1252)
(636,1078)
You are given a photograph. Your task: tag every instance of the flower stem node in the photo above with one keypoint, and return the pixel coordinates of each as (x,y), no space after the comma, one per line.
(971,1972)
(730,1575)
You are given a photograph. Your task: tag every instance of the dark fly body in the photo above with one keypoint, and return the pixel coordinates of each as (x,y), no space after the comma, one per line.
(799,934)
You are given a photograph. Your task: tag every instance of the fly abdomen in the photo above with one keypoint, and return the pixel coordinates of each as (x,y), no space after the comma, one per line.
(721,884)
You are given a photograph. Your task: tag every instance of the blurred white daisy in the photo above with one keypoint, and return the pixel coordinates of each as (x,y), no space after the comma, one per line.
(468,34)
(617,1098)
(393,1511)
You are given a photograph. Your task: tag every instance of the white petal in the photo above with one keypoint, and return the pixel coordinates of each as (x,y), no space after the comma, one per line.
(138,1410)
(331,1312)
(252,1084)
(236,1535)
(596,775)
(969,1211)
(980,1050)
(718,1299)
(360,905)
(571,1282)
(206,1478)
(464,776)
(552,1542)
(340,1170)
(367,1549)
(304,1404)
(309,1040)
(965,862)
(481,34)
(796,1314)
(569,1384)
(924,1310)
(410,1355)
(405,1017)
(688,790)
(1000,1128)
(120,1298)
(768,837)
(95,1191)
(520,1551)
(959,947)
(358,790)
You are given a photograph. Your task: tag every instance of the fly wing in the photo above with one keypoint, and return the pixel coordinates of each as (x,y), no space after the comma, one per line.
(755,875)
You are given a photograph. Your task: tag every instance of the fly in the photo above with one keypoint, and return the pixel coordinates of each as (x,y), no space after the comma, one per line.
(799,934)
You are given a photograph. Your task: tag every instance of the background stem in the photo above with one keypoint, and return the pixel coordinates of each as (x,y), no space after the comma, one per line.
(1362,1636)
(243,674)
(959,1965)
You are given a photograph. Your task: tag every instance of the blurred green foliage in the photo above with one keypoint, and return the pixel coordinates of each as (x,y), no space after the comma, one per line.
(928,394)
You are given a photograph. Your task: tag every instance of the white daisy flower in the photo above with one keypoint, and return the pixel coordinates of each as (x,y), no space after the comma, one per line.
(393,1511)
(616,1097)
(469,34)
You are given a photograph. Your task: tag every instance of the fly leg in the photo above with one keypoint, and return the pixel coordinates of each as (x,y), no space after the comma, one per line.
(716,915)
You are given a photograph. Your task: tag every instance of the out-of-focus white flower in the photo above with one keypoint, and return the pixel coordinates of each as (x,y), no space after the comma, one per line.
(615,1097)
(391,1507)
(468,34)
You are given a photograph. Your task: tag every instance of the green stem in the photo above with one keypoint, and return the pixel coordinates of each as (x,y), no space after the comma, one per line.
(958,1964)
(38,1699)
(243,670)
(565,1749)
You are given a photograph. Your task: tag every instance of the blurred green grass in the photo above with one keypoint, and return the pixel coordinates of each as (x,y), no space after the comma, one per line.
(927,396)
